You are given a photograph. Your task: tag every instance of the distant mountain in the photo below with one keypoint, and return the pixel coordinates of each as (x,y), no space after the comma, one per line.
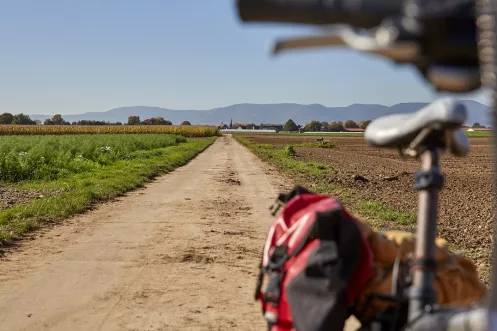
(268,113)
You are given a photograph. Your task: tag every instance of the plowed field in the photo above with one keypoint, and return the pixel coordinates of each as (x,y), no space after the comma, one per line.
(465,201)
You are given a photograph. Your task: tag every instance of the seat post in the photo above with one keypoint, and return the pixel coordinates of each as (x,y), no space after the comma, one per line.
(428,182)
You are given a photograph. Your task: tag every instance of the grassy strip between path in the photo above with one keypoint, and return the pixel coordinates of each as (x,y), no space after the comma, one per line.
(81,191)
(314,174)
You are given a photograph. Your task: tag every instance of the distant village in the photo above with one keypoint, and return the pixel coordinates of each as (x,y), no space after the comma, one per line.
(316,126)
(281,127)
(251,126)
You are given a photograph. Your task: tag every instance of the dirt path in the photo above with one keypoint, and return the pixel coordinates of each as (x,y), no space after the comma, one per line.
(180,254)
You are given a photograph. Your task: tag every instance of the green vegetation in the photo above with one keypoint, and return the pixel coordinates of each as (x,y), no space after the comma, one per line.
(78,191)
(315,176)
(479,133)
(289,150)
(381,211)
(290,126)
(52,157)
(280,158)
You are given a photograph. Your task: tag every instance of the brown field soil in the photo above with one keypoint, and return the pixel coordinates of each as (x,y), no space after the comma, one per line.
(465,201)
(11,196)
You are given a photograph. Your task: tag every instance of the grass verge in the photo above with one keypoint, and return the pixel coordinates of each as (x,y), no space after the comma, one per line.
(479,133)
(80,192)
(314,175)
(378,215)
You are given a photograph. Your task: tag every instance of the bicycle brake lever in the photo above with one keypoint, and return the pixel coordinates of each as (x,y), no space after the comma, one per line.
(380,42)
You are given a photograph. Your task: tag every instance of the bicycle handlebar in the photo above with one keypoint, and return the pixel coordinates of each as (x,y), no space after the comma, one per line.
(359,13)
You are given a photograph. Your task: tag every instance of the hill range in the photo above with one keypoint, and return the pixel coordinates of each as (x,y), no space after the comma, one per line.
(268,113)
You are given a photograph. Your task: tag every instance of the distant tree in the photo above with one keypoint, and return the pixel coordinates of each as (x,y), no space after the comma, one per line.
(364,124)
(48,122)
(118,123)
(134,120)
(313,126)
(186,123)
(477,126)
(22,120)
(336,126)
(6,118)
(58,120)
(91,122)
(325,126)
(349,124)
(290,126)
(156,121)
(74,123)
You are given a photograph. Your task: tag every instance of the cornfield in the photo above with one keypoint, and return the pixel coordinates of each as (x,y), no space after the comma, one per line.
(188,131)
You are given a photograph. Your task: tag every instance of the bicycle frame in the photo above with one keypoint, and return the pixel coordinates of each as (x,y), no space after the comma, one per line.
(422,292)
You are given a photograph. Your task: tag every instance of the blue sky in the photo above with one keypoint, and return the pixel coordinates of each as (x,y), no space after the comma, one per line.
(75,56)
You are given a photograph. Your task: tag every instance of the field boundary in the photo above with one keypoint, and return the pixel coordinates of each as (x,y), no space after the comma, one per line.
(308,174)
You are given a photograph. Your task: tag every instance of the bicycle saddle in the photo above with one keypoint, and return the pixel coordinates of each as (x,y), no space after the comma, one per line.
(399,130)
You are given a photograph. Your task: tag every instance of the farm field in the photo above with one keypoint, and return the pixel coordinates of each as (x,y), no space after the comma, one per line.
(185,130)
(377,184)
(45,178)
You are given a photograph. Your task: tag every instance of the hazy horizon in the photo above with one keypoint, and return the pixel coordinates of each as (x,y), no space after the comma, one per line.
(226,106)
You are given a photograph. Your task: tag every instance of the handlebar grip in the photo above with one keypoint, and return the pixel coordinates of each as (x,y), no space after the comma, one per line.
(358,13)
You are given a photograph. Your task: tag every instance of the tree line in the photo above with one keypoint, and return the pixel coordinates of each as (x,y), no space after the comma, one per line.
(324,126)
(338,126)
(290,125)
(135,120)
(22,119)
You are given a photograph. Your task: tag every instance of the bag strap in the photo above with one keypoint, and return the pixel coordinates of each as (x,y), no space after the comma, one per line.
(282,198)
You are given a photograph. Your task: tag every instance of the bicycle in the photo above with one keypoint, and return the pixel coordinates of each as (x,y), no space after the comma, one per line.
(440,39)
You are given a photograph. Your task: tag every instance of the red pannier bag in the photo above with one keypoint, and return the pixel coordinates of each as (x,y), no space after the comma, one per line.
(315,262)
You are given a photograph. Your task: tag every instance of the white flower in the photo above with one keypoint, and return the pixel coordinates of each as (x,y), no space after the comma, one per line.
(105,149)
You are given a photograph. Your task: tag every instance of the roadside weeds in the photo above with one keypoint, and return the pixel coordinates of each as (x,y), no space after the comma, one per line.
(81,192)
